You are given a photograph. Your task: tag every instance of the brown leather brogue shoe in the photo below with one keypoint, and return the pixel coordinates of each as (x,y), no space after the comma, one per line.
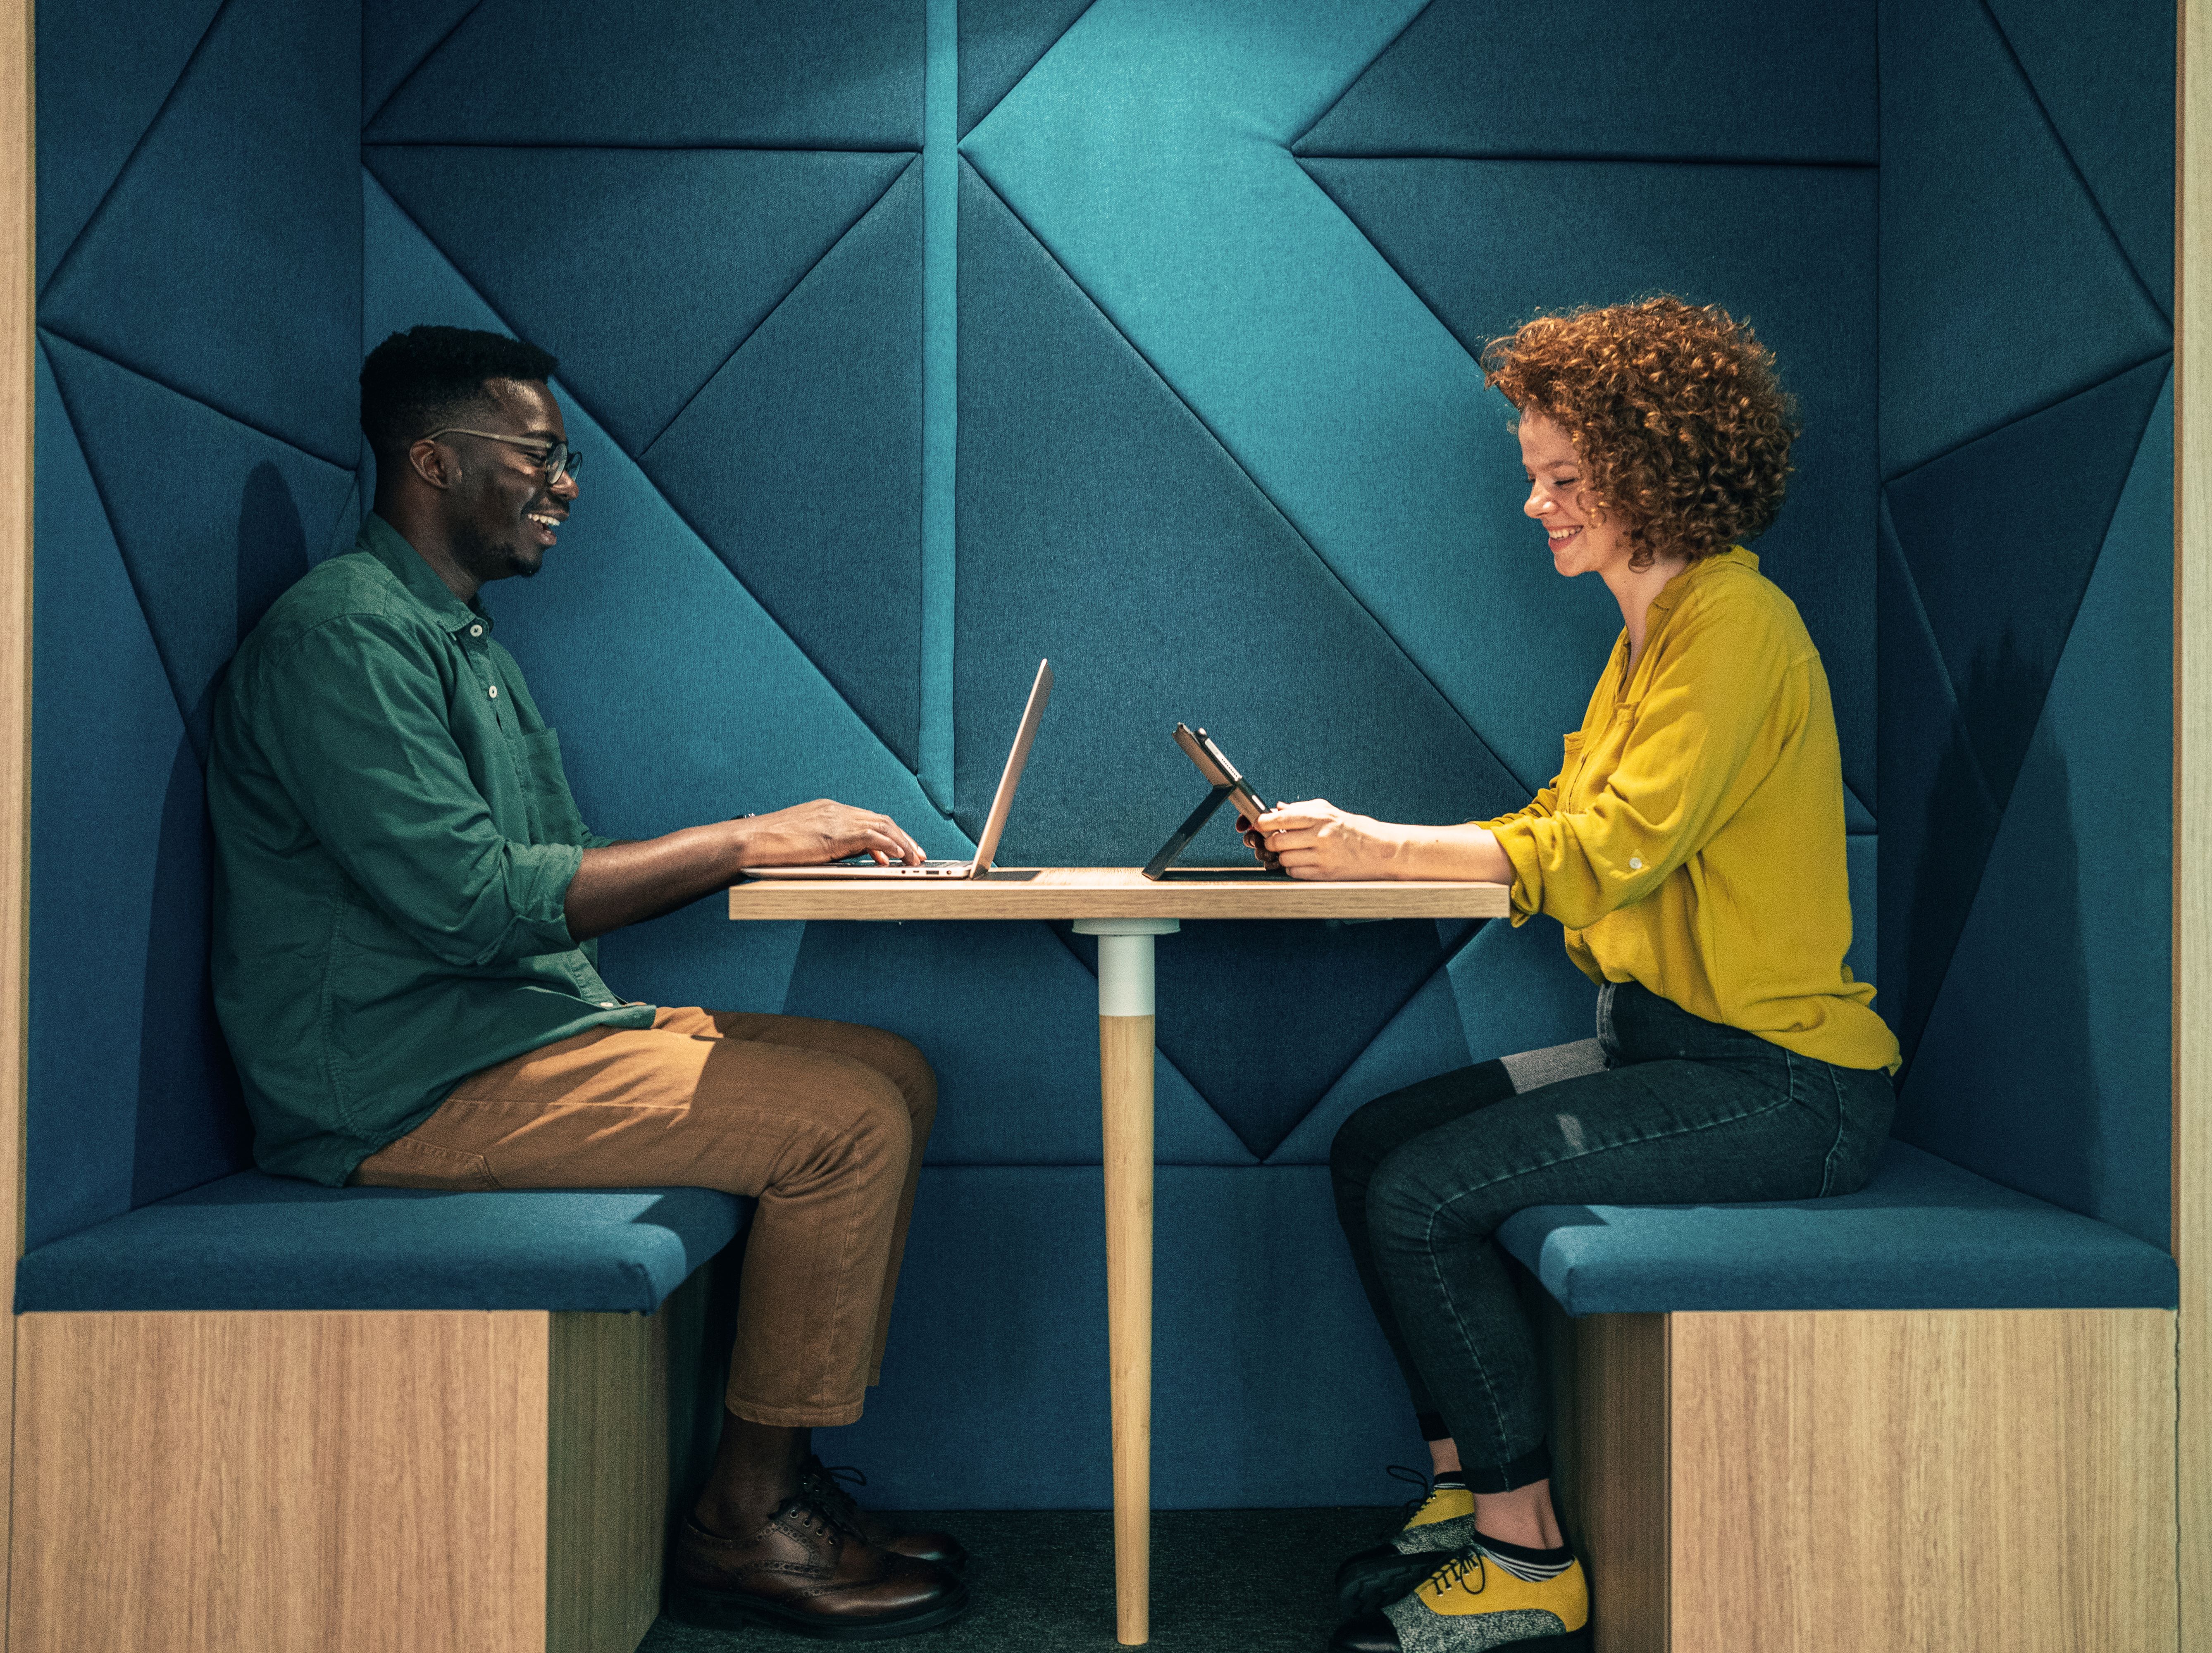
(807,1571)
(825,1486)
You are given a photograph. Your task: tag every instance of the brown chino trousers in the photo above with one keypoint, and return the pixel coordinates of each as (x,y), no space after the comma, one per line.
(822,1123)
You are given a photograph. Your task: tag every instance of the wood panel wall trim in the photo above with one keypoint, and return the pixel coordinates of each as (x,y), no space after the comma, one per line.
(607,1479)
(1996,1478)
(2192,817)
(18,227)
(266,1483)
(1618,1471)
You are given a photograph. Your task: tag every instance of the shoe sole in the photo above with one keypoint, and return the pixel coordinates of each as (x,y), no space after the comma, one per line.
(716,1610)
(1572,1641)
(1372,1591)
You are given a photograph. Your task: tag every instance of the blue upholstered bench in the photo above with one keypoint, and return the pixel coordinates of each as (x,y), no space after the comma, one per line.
(1923,1234)
(1770,1383)
(256,1242)
(505,1377)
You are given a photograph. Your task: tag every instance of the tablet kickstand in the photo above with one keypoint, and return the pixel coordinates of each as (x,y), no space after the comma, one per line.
(1179,839)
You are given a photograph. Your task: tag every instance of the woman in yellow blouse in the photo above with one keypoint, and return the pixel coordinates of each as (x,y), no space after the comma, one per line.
(1693,846)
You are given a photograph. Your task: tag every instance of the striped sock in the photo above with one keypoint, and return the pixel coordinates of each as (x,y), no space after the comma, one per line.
(1531,1566)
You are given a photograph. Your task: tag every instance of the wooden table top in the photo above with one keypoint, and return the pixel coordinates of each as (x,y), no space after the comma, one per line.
(1108,892)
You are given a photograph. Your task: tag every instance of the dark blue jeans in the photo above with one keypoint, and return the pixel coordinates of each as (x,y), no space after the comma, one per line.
(1686,1112)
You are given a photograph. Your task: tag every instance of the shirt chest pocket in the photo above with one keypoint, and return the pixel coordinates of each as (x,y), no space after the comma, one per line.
(553,815)
(1598,754)
(1570,765)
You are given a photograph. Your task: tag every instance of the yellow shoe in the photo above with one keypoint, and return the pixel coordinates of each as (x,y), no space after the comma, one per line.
(1495,1595)
(1443,1525)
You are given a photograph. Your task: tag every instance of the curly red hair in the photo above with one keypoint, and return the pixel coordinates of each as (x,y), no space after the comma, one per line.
(1673,409)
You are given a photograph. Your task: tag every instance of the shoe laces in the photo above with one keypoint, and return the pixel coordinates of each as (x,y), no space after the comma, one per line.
(826,1486)
(807,1507)
(1466,1570)
(1413,1506)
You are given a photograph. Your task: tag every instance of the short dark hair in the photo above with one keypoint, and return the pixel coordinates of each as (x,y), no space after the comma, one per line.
(426,377)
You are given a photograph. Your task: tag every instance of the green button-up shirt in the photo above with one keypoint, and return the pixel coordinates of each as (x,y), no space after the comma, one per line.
(394,838)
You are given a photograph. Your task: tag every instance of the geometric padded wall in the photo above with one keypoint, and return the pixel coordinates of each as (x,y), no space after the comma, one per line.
(200,318)
(2026,558)
(1178,306)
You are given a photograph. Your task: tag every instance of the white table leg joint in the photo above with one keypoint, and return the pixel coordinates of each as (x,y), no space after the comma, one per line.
(1125,961)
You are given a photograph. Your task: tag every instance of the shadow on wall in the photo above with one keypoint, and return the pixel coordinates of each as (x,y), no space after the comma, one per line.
(191,1121)
(2001,1079)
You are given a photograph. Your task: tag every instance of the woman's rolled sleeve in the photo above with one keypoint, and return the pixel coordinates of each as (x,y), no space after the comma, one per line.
(1577,868)
(1685,756)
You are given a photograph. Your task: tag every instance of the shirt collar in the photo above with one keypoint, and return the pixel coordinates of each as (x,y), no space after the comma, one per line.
(1680,583)
(390,547)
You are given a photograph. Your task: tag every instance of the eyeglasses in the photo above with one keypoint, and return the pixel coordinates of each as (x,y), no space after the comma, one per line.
(559,460)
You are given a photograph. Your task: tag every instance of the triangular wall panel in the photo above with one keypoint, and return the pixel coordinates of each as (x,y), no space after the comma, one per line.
(1237,1015)
(1506,990)
(2001,536)
(1799,85)
(2045,1064)
(225,263)
(721,715)
(800,464)
(2003,290)
(1457,232)
(397,39)
(955,990)
(784,74)
(655,264)
(95,841)
(1102,524)
(105,67)
(1001,41)
(206,560)
(1941,819)
(2092,83)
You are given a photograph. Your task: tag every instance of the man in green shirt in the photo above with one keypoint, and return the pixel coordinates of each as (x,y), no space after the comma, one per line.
(405,965)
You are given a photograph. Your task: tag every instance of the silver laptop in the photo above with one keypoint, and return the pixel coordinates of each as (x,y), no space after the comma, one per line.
(985,847)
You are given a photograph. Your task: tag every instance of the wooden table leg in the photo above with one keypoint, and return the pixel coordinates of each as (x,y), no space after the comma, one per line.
(1125,1074)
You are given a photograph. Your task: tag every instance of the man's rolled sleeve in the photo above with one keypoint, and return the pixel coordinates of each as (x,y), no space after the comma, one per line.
(354,721)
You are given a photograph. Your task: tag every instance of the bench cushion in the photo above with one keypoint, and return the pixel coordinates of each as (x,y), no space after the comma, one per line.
(252,1241)
(1923,1234)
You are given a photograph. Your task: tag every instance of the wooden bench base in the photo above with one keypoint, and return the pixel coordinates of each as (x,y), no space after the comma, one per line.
(348,1482)
(1854,1481)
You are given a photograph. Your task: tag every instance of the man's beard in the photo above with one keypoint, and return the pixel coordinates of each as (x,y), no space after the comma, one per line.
(476,551)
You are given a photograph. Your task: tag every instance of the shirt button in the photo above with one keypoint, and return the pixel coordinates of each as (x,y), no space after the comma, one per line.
(607,1004)
(1636,863)
(495,691)
(476,631)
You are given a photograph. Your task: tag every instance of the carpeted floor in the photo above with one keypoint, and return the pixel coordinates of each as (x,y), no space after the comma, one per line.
(1224,1581)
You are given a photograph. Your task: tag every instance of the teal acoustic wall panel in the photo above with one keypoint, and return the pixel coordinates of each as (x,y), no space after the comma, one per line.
(1699,80)
(104,72)
(2025,553)
(2101,89)
(1459,232)
(2003,287)
(235,206)
(199,316)
(768,74)
(912,341)
(1267,1367)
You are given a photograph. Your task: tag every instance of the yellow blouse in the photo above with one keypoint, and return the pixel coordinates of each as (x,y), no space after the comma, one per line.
(1693,840)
